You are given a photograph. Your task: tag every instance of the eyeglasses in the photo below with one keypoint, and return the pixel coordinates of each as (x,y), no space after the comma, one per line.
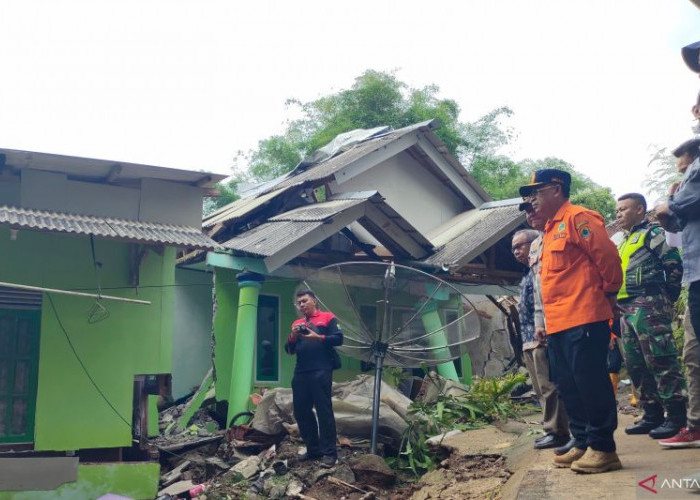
(538,192)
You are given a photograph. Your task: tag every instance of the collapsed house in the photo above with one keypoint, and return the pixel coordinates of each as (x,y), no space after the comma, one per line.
(370,195)
(87,301)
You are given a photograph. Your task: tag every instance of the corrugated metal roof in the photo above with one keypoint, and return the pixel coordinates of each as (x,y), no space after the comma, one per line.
(329,167)
(475,229)
(317,211)
(121,229)
(240,208)
(90,168)
(271,237)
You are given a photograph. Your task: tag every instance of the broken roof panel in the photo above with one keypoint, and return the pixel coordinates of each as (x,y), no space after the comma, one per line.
(242,207)
(288,235)
(467,235)
(105,227)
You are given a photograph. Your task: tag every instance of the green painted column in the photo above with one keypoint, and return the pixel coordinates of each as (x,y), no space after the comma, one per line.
(431,322)
(244,342)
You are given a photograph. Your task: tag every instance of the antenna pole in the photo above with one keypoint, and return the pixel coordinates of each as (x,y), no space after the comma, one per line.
(379,350)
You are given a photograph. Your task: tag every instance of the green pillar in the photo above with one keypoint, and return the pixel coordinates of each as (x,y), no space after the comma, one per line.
(432,322)
(244,343)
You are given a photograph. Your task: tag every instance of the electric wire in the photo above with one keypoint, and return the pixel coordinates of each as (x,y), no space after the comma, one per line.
(92,380)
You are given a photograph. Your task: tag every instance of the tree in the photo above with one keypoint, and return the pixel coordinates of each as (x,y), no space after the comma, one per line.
(227,194)
(663,173)
(375,99)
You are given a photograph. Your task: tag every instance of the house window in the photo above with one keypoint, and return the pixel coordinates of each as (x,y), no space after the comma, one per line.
(267,345)
(19,358)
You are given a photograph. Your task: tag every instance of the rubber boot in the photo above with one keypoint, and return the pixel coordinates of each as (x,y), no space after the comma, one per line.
(675,421)
(653,418)
(615,379)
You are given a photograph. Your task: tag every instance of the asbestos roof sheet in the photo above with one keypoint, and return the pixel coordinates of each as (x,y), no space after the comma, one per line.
(468,234)
(120,229)
(269,238)
(317,211)
(240,208)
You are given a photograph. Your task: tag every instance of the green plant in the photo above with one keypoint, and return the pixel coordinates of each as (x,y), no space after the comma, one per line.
(394,375)
(487,400)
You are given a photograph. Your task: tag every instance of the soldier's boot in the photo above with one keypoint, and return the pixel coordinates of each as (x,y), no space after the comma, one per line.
(675,421)
(653,418)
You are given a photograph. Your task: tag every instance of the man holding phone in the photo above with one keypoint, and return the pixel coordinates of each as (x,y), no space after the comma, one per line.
(312,339)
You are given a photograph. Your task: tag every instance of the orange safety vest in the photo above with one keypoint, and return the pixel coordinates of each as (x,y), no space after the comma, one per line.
(580,266)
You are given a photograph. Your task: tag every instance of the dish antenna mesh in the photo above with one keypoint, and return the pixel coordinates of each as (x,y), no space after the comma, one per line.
(395,315)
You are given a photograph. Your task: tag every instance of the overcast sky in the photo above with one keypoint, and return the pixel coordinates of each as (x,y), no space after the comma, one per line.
(187,84)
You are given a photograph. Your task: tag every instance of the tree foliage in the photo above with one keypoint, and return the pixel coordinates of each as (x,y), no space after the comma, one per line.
(375,99)
(663,172)
(378,98)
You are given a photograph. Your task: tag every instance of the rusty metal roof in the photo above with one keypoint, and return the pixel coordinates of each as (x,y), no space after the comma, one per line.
(470,233)
(105,227)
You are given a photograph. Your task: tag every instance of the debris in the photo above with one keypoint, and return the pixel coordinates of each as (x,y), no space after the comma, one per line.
(352,407)
(344,473)
(347,485)
(280,467)
(172,476)
(436,440)
(373,470)
(177,489)
(294,488)
(248,467)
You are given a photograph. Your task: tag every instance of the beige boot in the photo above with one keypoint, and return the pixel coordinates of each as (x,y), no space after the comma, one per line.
(594,462)
(565,460)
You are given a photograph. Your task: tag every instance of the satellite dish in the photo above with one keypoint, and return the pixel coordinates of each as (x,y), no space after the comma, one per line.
(395,315)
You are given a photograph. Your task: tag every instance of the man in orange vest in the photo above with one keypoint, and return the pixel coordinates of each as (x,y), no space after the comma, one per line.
(581,275)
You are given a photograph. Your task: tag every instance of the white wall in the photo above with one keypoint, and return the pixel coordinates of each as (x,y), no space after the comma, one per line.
(410,189)
(153,200)
(192,330)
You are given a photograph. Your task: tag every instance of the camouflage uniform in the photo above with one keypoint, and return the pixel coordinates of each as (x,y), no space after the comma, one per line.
(651,284)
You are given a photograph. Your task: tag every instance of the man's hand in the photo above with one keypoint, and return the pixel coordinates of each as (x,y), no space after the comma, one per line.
(313,336)
(540,334)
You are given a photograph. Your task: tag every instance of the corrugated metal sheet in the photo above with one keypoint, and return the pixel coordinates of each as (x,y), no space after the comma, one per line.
(271,237)
(121,229)
(483,226)
(317,211)
(240,208)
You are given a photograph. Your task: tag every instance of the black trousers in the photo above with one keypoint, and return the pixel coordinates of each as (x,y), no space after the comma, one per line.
(694,306)
(313,390)
(578,362)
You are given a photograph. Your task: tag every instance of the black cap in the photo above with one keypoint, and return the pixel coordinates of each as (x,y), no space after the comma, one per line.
(691,146)
(690,56)
(543,177)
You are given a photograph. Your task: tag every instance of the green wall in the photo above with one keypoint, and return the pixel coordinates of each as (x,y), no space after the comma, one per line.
(133,480)
(134,339)
(225,323)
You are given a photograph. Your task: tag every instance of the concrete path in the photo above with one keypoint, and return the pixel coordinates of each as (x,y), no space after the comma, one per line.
(537,479)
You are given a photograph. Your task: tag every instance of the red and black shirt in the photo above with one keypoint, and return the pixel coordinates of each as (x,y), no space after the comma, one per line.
(314,354)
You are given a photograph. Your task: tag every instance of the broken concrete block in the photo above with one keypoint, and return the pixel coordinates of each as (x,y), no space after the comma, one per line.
(177,489)
(248,467)
(344,473)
